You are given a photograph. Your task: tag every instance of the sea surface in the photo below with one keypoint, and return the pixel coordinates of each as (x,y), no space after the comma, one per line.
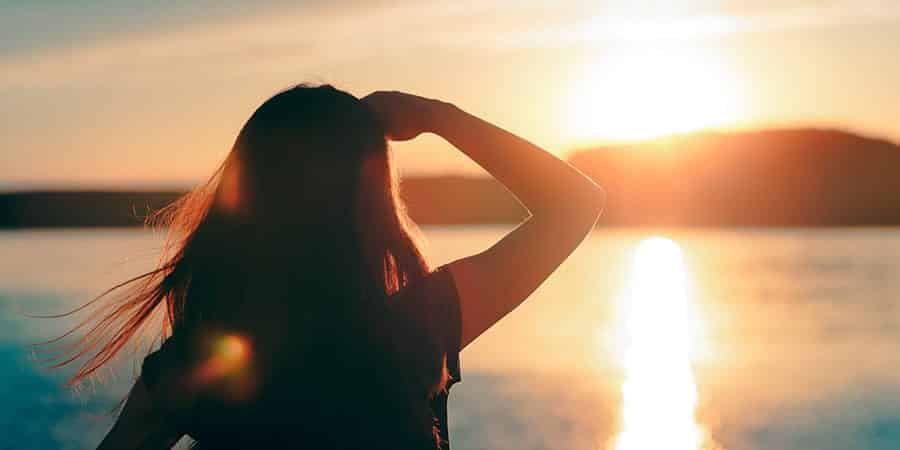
(738,339)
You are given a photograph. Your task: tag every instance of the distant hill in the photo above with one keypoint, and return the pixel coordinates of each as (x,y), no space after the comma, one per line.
(780,177)
(51,209)
(438,200)
(786,177)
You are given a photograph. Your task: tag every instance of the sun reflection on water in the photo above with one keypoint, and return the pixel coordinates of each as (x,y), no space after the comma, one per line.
(659,393)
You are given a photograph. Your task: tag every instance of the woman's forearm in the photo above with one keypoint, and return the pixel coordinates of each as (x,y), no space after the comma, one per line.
(540,180)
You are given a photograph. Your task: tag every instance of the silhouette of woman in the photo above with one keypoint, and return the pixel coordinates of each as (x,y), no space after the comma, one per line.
(298,309)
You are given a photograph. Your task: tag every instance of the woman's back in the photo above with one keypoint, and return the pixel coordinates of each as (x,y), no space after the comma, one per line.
(285,380)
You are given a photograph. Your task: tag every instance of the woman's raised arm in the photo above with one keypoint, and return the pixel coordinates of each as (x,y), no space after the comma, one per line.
(564,205)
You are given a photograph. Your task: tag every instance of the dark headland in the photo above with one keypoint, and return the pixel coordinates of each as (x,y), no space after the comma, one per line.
(780,177)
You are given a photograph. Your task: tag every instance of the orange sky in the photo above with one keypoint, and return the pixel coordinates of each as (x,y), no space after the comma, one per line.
(110,95)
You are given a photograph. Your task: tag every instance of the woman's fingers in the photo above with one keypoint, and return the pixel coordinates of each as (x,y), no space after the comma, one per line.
(404,116)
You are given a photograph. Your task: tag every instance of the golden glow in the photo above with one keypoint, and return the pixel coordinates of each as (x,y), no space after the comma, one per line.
(659,395)
(230,186)
(645,91)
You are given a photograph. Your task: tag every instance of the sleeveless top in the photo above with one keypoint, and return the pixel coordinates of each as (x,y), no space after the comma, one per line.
(433,303)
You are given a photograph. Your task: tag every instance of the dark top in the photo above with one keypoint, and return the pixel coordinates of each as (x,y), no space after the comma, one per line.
(432,303)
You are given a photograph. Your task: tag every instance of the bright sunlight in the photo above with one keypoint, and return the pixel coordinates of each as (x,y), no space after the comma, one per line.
(659,394)
(644,91)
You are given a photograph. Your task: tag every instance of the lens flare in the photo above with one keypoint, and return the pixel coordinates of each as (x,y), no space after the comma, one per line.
(229,357)
(232,349)
(659,395)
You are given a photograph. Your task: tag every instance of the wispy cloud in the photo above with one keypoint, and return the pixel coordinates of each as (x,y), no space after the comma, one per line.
(317,34)
(650,21)
(324,34)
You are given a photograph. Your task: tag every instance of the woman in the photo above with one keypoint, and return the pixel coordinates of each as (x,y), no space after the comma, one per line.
(299,310)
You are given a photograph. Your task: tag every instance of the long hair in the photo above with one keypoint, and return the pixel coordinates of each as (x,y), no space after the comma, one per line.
(301,221)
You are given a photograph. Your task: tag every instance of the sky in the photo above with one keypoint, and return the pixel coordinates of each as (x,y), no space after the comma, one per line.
(148,94)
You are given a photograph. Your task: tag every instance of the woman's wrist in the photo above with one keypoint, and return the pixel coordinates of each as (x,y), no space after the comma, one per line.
(438,115)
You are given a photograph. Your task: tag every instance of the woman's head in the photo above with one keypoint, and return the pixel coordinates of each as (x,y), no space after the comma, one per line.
(298,158)
(316,159)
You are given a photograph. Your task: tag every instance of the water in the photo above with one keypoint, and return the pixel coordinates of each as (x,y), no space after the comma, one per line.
(793,341)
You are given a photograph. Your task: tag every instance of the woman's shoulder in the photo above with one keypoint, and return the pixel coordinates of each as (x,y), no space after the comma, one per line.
(436,290)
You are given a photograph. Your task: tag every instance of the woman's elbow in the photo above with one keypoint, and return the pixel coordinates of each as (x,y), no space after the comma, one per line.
(580,213)
(582,205)
(591,202)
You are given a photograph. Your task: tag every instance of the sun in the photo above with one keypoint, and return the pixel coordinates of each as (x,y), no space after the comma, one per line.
(643,91)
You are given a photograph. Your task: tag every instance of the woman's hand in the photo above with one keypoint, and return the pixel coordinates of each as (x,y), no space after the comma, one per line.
(404,116)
